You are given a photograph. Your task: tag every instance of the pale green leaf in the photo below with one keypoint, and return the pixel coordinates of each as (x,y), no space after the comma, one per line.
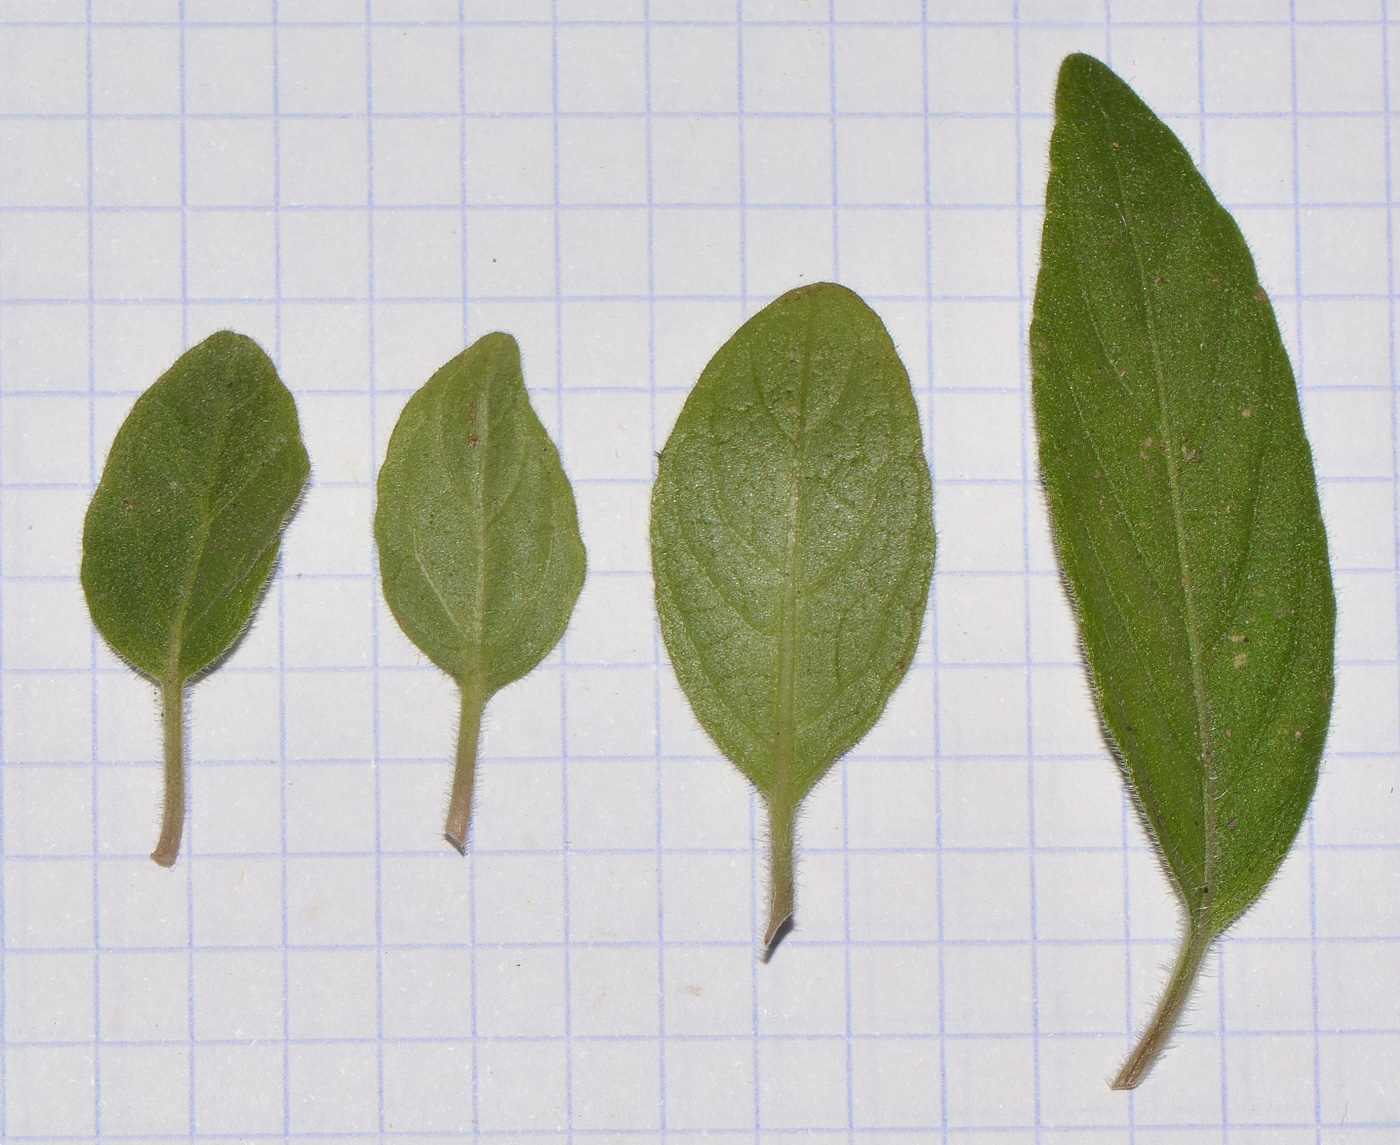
(1185,508)
(792,545)
(479,548)
(185,524)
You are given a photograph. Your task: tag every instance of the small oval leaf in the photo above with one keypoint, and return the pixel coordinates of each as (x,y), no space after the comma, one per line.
(479,548)
(792,544)
(1185,508)
(185,524)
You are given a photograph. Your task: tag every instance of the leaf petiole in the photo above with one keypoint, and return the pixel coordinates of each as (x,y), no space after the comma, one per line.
(1154,1038)
(459,810)
(172,823)
(782,823)
(479,551)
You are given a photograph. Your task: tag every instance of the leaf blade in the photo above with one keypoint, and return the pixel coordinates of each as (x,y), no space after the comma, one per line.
(1183,499)
(184,528)
(480,556)
(185,519)
(792,544)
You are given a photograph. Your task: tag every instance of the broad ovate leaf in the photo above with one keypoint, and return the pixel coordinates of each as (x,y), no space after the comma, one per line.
(479,548)
(185,525)
(1185,509)
(792,545)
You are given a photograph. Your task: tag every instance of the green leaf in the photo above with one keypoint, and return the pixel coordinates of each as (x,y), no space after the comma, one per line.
(1185,509)
(792,544)
(479,548)
(185,525)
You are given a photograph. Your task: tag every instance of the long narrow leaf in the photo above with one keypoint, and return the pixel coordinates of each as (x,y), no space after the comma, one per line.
(1185,509)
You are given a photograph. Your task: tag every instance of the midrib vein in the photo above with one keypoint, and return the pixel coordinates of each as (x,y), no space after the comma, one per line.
(1198,684)
(474,653)
(206,520)
(785,741)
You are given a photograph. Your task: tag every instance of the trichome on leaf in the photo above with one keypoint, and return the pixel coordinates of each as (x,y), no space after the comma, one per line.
(1185,510)
(184,528)
(479,548)
(792,545)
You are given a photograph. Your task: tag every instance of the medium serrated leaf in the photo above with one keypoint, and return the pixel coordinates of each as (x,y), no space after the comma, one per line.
(1185,508)
(479,548)
(185,525)
(792,544)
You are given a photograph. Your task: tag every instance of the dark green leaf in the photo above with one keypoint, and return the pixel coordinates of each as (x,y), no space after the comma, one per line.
(1185,508)
(792,544)
(479,548)
(185,525)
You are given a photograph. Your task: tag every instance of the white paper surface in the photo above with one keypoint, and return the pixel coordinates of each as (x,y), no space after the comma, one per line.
(366,187)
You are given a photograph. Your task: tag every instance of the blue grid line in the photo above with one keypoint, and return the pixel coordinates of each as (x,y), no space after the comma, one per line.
(1165,944)
(658,756)
(563,642)
(350,300)
(656,651)
(1309,825)
(935,630)
(466,341)
(644,1039)
(189,826)
(567,22)
(1027,467)
(4,805)
(971,1131)
(1386,80)
(113,856)
(692,21)
(625,757)
(661,113)
(94,639)
(370,188)
(282,603)
(698,206)
(694,113)
(680,206)
(756,920)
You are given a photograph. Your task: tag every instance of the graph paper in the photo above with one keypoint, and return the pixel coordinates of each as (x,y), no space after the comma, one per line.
(981,925)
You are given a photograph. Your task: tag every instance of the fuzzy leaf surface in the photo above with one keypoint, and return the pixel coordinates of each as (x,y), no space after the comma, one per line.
(792,536)
(1183,498)
(185,525)
(479,548)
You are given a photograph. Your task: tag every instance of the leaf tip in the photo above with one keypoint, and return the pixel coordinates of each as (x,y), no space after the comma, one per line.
(1080,65)
(497,341)
(1082,77)
(498,348)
